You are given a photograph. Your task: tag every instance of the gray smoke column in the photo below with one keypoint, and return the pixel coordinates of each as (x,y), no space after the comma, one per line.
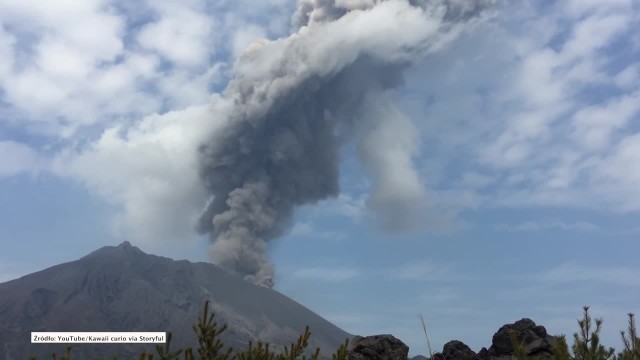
(296,101)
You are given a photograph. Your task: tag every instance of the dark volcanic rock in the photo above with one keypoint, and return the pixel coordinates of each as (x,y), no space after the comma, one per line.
(378,347)
(419,357)
(120,288)
(537,343)
(457,350)
(483,354)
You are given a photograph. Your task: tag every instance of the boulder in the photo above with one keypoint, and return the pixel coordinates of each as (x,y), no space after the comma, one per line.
(419,357)
(483,354)
(537,343)
(456,350)
(378,347)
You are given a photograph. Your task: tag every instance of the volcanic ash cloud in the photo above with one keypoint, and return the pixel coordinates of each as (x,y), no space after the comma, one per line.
(297,100)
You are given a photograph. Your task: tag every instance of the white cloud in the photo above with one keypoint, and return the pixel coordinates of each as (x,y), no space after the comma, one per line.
(328,274)
(615,179)
(345,205)
(509,113)
(595,125)
(440,296)
(72,85)
(544,225)
(578,8)
(150,171)
(302,229)
(68,80)
(420,271)
(7,42)
(17,158)
(245,36)
(545,121)
(308,230)
(571,272)
(102,29)
(473,180)
(628,77)
(398,194)
(181,34)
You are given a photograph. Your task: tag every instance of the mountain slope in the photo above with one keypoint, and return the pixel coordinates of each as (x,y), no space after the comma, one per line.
(120,288)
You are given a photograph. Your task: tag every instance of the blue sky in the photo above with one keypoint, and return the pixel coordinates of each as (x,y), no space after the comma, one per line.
(529,156)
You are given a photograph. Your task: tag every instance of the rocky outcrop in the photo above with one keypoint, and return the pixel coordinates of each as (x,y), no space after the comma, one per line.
(378,347)
(537,344)
(458,350)
(419,357)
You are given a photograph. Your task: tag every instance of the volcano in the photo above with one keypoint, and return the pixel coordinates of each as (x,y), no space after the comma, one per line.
(121,288)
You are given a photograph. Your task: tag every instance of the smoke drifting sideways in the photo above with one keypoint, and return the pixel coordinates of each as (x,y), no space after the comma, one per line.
(296,101)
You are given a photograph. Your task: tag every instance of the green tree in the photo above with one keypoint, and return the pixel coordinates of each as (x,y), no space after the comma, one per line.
(587,342)
(561,348)
(630,341)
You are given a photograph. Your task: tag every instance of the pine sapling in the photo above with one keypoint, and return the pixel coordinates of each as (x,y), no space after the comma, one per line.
(165,353)
(631,343)
(561,348)
(342,353)
(587,342)
(207,331)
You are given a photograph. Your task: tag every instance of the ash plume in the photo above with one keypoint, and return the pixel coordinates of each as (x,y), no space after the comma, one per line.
(297,100)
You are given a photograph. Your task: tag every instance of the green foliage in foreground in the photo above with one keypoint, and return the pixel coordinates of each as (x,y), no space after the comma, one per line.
(586,345)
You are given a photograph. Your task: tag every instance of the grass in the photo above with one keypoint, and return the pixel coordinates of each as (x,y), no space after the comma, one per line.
(586,345)
(424,328)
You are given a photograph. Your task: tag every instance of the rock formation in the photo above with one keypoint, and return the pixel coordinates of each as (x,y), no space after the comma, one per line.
(378,347)
(537,343)
(457,350)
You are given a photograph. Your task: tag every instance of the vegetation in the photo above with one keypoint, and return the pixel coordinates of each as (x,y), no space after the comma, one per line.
(424,328)
(586,345)
(630,341)
(210,347)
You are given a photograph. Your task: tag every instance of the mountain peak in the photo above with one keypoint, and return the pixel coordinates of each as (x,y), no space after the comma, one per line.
(124,247)
(127,248)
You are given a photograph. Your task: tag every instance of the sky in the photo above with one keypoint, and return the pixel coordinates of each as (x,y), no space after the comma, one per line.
(523,132)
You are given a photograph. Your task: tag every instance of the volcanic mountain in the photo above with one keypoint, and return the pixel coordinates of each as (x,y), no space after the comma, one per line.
(121,288)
